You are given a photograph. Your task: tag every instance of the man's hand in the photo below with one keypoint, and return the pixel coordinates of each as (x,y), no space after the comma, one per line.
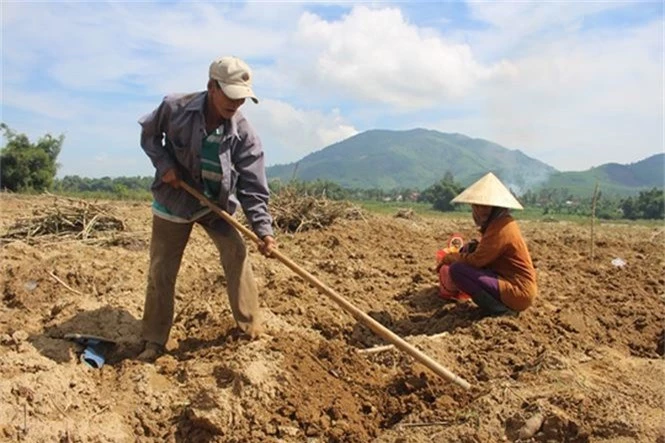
(171,178)
(268,245)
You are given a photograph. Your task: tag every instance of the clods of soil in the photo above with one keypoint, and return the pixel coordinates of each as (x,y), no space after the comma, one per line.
(585,363)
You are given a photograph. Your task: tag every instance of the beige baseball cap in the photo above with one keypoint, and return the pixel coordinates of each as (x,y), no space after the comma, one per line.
(488,191)
(234,77)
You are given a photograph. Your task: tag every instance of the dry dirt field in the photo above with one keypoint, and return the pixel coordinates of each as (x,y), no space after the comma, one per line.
(587,357)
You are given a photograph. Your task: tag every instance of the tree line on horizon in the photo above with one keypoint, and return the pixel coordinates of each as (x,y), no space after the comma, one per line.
(32,167)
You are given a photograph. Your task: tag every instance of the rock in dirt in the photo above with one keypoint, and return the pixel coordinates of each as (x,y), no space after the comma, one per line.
(531,426)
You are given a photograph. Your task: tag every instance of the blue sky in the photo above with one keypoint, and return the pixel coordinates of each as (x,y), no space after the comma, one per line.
(573,84)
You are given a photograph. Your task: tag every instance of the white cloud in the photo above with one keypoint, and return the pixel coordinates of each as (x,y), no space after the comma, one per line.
(57,105)
(534,79)
(576,103)
(116,46)
(288,133)
(376,55)
(108,147)
(524,18)
(519,24)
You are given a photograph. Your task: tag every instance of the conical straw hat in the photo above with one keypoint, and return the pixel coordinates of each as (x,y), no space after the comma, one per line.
(488,191)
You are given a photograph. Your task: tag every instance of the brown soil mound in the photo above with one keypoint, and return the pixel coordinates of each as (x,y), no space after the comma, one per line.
(587,357)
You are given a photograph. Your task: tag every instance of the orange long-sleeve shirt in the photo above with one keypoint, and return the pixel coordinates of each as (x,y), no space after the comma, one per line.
(502,249)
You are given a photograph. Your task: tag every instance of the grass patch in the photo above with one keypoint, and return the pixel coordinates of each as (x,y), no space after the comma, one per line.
(529,213)
(422,209)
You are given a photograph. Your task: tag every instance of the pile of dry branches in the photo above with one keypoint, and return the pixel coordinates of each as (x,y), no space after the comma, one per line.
(406,213)
(294,212)
(65,219)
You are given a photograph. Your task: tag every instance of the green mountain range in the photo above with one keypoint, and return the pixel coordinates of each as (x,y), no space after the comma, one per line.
(613,178)
(415,158)
(418,158)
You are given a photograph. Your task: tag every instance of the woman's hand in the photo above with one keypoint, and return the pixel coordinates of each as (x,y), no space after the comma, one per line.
(448,259)
(444,259)
(469,247)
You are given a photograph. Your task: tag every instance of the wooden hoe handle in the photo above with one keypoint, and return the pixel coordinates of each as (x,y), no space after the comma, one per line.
(359,315)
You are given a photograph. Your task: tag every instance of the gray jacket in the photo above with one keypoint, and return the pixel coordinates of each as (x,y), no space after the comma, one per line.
(172,136)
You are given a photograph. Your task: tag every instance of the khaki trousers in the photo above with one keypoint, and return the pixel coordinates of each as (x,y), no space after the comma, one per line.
(166,249)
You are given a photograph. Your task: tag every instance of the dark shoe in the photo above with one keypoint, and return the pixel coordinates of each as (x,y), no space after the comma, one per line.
(151,352)
(492,305)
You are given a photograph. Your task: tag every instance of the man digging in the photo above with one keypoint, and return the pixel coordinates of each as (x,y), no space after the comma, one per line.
(201,139)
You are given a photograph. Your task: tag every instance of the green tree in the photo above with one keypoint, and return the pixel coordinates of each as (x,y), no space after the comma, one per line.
(647,205)
(529,198)
(629,208)
(28,166)
(651,204)
(440,194)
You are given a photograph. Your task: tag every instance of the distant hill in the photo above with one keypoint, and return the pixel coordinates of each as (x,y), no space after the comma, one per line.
(415,158)
(613,178)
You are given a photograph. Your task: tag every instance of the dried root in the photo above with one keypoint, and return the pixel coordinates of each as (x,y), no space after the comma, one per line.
(293,212)
(66,219)
(406,213)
